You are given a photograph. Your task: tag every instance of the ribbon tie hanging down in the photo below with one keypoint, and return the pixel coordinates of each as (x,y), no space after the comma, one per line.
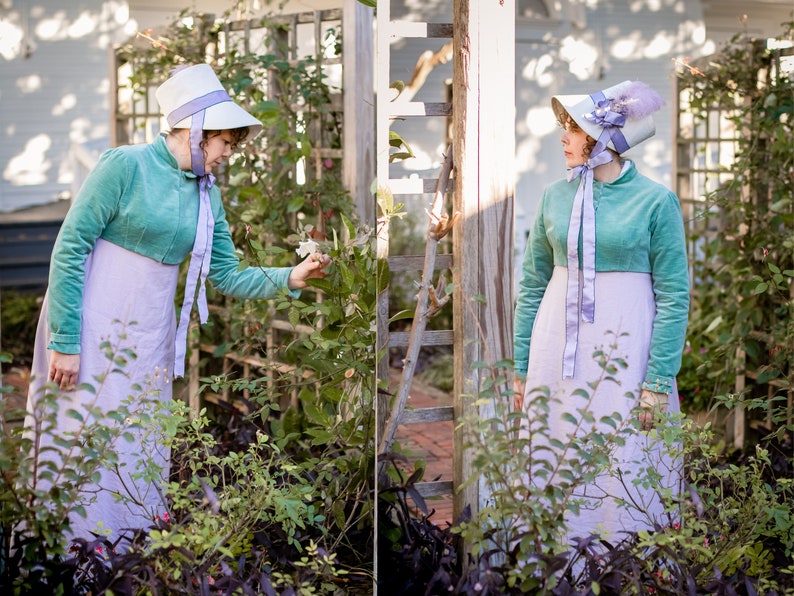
(583,220)
(197,273)
(202,246)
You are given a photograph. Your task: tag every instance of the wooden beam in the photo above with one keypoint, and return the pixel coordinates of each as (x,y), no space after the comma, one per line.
(358,166)
(483,97)
(422,415)
(382,64)
(399,339)
(414,186)
(414,29)
(403,109)
(416,262)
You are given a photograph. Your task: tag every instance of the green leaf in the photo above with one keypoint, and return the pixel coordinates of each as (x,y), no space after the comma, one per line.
(568,417)
(714,324)
(296,203)
(402,315)
(398,85)
(761,288)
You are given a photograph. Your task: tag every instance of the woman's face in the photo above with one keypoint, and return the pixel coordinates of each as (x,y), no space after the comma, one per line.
(574,143)
(217,148)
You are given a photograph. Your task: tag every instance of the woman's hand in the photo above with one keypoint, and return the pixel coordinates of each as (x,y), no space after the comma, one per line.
(310,268)
(64,369)
(651,404)
(519,385)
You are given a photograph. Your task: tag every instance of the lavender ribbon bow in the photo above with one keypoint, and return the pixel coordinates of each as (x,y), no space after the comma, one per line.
(610,121)
(582,219)
(197,273)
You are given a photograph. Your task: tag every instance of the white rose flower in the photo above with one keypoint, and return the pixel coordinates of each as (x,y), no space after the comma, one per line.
(307,248)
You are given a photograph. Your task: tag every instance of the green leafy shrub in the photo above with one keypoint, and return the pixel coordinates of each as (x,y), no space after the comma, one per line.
(19,315)
(744,262)
(730,531)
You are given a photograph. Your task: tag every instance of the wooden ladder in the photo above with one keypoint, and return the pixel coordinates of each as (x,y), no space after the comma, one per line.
(482,120)
(392,415)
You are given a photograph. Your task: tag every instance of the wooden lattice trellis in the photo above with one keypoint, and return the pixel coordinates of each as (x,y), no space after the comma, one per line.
(706,143)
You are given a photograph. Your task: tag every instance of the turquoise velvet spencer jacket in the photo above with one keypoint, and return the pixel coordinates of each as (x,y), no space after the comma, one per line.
(137,198)
(639,228)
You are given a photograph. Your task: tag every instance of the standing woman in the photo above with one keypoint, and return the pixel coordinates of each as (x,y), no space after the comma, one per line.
(605,266)
(113,278)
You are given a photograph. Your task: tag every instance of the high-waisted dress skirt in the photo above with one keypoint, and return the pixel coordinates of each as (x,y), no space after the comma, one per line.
(617,500)
(128,305)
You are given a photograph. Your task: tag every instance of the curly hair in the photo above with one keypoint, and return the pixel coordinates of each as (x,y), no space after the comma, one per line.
(238,134)
(568,123)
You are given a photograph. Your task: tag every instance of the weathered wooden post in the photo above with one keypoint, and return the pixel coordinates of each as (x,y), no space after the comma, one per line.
(359,106)
(483,99)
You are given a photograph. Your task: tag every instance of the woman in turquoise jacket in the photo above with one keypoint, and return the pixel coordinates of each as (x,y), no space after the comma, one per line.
(605,275)
(113,277)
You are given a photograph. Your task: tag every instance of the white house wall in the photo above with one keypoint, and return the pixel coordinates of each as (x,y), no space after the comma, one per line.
(584,46)
(759,18)
(620,40)
(54,66)
(55,61)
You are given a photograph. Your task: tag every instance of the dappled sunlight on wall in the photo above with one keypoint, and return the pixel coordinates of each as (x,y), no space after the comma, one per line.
(66,103)
(651,5)
(653,157)
(538,124)
(97,25)
(29,84)
(581,56)
(639,46)
(81,130)
(55,92)
(541,70)
(11,37)
(31,165)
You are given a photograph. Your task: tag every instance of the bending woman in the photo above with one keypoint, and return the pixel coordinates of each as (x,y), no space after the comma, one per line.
(113,277)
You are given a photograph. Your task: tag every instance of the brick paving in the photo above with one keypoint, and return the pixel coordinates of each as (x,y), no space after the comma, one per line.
(430,442)
(16,380)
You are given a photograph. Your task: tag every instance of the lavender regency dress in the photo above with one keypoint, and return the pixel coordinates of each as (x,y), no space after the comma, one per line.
(128,309)
(633,310)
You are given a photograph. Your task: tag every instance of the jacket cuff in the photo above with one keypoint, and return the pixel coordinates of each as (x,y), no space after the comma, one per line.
(520,369)
(64,343)
(658,384)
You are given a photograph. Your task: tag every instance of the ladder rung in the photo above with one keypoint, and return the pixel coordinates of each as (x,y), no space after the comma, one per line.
(415,186)
(399,339)
(431,414)
(414,29)
(402,109)
(434,489)
(417,262)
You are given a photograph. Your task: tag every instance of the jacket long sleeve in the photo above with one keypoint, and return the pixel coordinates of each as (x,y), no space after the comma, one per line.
(225,273)
(670,275)
(537,268)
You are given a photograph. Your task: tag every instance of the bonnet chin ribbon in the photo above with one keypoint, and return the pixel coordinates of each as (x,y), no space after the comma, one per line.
(583,219)
(202,246)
